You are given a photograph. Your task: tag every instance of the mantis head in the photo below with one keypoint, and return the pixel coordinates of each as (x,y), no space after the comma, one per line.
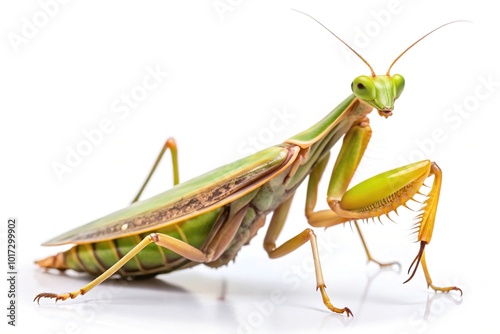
(379,91)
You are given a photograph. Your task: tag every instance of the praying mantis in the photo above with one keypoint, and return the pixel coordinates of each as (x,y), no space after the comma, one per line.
(209,218)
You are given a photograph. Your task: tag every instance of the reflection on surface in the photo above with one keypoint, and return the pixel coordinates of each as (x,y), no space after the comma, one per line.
(230,300)
(359,309)
(436,304)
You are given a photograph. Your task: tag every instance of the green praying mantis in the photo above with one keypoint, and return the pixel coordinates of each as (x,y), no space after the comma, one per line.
(209,218)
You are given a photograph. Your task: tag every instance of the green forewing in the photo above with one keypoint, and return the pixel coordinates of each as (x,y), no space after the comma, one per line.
(186,199)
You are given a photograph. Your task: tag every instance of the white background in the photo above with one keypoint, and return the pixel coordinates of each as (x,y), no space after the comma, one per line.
(229,72)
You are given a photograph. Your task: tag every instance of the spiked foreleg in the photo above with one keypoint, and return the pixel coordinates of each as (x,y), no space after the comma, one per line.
(386,192)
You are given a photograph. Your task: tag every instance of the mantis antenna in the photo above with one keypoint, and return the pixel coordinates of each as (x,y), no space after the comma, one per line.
(363,59)
(418,40)
(340,39)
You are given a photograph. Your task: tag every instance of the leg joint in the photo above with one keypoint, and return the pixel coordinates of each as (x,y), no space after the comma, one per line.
(154,237)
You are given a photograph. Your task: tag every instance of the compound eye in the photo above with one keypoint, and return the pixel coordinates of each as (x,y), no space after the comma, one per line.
(399,85)
(364,88)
